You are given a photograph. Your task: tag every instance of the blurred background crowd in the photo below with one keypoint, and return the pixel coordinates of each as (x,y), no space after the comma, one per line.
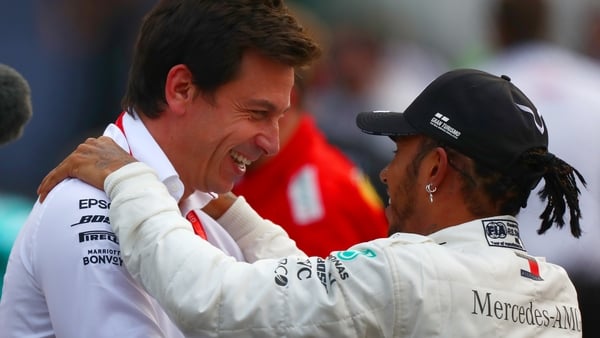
(379,55)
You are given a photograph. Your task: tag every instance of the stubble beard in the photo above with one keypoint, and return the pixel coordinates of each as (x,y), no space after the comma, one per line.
(403,209)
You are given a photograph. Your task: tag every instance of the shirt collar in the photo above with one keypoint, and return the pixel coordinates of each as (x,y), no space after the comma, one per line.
(137,140)
(197,200)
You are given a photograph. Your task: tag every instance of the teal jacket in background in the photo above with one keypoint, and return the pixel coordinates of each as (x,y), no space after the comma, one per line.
(13,212)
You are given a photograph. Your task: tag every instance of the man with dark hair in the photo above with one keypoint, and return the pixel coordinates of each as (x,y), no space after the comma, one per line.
(15,104)
(209,80)
(15,112)
(313,177)
(470,148)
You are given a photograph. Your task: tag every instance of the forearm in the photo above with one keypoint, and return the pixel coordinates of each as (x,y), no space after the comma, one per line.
(159,248)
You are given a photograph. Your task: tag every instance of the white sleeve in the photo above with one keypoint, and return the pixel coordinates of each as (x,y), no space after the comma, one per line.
(257,237)
(209,294)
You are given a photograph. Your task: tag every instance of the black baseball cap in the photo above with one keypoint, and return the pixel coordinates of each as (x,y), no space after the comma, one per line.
(483,116)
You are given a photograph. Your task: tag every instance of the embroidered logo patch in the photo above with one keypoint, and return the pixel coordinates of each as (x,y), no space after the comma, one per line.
(502,233)
(441,122)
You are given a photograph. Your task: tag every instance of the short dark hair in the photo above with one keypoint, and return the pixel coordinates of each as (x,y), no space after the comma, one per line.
(210,38)
(15,104)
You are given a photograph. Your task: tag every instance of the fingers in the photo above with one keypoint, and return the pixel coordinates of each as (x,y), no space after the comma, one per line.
(47,184)
(63,170)
(54,177)
(91,162)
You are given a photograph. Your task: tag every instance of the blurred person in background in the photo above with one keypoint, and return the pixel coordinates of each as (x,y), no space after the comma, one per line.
(311,188)
(565,86)
(348,79)
(15,104)
(208,82)
(15,113)
(591,43)
(366,55)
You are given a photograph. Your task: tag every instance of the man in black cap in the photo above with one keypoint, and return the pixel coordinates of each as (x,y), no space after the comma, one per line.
(469,150)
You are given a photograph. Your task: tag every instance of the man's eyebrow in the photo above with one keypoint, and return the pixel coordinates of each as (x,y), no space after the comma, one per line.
(266,104)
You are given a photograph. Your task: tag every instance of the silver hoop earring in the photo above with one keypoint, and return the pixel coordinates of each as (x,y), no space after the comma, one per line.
(430,189)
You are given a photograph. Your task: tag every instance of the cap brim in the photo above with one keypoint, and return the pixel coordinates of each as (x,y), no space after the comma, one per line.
(384,123)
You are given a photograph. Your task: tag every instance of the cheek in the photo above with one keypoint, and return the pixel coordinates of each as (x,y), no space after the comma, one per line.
(401,181)
(391,173)
(397,191)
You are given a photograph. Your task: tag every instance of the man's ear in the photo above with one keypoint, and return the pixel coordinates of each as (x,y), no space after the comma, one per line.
(179,89)
(437,166)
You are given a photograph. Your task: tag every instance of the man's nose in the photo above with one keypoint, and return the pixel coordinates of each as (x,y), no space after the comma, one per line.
(268,140)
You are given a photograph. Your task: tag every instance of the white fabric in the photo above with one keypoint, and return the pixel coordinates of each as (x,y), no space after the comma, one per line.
(65,276)
(470,280)
(215,234)
(565,88)
(138,141)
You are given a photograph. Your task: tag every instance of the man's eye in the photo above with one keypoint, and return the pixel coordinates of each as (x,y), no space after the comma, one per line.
(259,113)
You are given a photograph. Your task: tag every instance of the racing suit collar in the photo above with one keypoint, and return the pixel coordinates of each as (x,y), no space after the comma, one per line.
(500,231)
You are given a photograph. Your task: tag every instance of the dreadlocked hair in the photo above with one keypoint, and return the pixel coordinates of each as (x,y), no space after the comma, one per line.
(510,192)
(560,190)
(488,191)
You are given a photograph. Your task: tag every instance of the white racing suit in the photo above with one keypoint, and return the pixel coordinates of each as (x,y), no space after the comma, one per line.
(470,280)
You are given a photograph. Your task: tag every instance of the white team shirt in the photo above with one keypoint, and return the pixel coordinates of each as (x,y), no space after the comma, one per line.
(65,275)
